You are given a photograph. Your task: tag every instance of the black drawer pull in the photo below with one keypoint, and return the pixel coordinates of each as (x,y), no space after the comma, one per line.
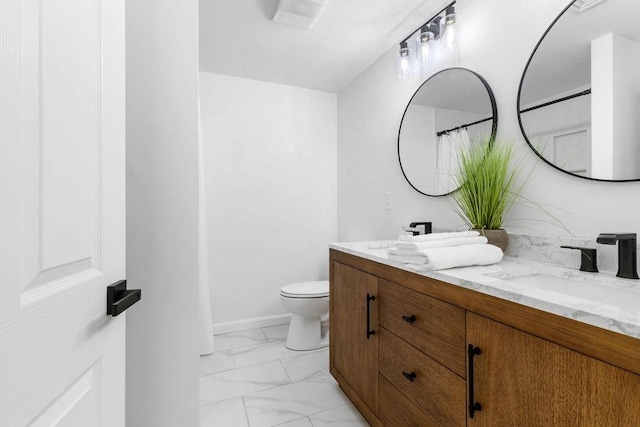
(369,330)
(409,319)
(473,405)
(411,376)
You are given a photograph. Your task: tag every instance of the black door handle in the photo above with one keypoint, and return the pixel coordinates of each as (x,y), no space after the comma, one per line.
(119,298)
(473,405)
(369,331)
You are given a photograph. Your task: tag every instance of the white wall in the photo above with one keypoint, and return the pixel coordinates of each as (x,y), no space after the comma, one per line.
(614,64)
(369,113)
(270,164)
(626,106)
(162,212)
(602,104)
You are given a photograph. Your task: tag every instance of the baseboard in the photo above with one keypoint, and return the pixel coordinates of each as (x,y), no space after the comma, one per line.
(244,324)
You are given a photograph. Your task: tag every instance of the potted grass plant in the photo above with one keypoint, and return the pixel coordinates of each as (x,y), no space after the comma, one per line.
(488,187)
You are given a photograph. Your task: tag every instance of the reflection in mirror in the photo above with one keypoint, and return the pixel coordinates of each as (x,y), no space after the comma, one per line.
(579,99)
(450,109)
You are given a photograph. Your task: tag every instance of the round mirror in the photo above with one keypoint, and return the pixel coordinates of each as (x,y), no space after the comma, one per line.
(450,109)
(579,97)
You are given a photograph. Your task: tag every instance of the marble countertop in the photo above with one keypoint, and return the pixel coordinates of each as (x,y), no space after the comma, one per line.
(494,280)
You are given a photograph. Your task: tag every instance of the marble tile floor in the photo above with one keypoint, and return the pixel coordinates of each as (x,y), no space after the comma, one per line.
(253,380)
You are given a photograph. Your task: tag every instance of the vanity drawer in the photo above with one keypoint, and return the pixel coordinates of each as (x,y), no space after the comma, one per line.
(430,386)
(396,410)
(438,329)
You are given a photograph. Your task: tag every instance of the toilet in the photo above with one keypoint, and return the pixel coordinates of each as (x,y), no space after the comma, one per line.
(309,304)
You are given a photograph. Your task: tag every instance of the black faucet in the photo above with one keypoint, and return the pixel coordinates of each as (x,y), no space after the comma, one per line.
(588,258)
(427,227)
(627,252)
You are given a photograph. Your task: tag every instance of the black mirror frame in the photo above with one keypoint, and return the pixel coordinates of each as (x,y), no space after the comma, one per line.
(494,126)
(524,134)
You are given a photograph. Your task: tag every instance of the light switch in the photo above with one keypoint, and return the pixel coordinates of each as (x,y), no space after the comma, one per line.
(388,200)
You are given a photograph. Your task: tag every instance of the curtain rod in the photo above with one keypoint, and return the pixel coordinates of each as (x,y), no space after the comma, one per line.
(546,104)
(555,101)
(444,132)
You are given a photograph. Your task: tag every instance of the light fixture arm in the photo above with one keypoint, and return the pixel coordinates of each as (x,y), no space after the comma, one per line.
(444,9)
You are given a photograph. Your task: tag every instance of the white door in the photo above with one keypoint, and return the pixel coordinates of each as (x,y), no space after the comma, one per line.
(62,215)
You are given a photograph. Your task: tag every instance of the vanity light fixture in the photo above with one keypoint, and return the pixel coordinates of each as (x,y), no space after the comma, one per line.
(440,33)
(405,63)
(426,43)
(450,31)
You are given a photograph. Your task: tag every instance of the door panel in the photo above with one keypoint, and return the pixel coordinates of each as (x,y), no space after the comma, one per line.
(61,141)
(69,140)
(354,353)
(78,403)
(524,380)
(62,212)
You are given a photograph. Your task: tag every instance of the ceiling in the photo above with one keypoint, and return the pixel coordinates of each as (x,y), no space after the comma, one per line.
(239,38)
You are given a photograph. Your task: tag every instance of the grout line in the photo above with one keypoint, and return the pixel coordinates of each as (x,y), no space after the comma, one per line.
(220,401)
(285,371)
(246,367)
(275,338)
(246,414)
(297,419)
(232,352)
(263,334)
(237,334)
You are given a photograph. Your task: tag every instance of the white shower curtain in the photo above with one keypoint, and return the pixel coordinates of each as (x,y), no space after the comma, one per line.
(449,145)
(206,322)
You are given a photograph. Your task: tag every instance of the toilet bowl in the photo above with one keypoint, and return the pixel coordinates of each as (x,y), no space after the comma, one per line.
(308,302)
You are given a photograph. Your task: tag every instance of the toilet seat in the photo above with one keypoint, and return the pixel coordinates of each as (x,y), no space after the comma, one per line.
(318,289)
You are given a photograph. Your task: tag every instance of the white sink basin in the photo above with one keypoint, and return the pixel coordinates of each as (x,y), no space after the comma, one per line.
(622,293)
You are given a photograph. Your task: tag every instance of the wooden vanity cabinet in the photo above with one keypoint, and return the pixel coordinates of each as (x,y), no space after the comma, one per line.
(412,359)
(353,332)
(520,379)
(525,367)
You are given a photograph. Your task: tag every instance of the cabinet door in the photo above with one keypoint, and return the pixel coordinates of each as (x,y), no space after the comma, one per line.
(520,379)
(354,352)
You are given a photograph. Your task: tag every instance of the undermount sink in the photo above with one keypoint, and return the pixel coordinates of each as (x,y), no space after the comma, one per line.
(543,285)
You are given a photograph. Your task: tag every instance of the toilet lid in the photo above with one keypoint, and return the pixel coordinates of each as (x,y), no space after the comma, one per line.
(306,290)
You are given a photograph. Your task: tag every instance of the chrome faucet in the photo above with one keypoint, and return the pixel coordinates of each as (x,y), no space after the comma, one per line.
(627,252)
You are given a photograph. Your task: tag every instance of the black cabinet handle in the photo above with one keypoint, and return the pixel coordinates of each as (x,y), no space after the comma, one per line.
(119,298)
(410,376)
(369,331)
(409,319)
(473,405)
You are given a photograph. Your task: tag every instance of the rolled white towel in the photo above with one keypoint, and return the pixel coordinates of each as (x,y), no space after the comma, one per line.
(438,236)
(410,247)
(457,256)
